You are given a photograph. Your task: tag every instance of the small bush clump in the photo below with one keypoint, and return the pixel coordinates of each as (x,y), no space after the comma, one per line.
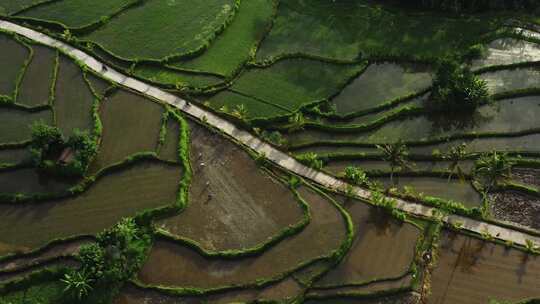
(55,154)
(115,258)
(457,88)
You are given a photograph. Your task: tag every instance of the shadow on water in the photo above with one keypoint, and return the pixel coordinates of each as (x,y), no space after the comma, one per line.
(382,222)
(443,122)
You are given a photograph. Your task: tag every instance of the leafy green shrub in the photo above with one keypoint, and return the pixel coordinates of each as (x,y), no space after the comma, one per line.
(44,139)
(240,112)
(52,152)
(274,137)
(492,167)
(296,122)
(294,182)
(116,257)
(311,159)
(356,175)
(77,284)
(457,88)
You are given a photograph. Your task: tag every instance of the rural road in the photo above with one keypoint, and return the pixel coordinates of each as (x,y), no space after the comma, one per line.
(274,155)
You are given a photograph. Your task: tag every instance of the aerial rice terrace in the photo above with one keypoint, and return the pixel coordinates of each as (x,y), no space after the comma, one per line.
(269,151)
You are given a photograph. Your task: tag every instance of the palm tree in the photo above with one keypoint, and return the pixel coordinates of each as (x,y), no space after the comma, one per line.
(296,122)
(455,155)
(493,167)
(396,154)
(77,283)
(240,111)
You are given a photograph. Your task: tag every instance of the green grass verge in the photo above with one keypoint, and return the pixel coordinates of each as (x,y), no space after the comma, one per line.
(227,101)
(162,75)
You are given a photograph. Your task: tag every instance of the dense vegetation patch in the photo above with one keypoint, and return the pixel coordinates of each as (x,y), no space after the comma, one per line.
(457,88)
(54,153)
(105,265)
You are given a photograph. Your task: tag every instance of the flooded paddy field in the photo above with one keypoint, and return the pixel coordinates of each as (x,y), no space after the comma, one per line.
(471,270)
(176,212)
(171,264)
(37,82)
(73,99)
(224,213)
(380,83)
(114,196)
(383,248)
(131,124)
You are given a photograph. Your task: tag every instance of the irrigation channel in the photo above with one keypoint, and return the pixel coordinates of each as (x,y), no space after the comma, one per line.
(272,154)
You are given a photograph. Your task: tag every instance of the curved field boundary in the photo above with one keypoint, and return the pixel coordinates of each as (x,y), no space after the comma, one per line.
(7,276)
(274,155)
(335,254)
(99,21)
(180,55)
(257,249)
(417,143)
(86,183)
(10,261)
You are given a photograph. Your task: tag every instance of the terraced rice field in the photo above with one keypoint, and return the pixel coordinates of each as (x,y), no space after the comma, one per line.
(109,196)
(474,271)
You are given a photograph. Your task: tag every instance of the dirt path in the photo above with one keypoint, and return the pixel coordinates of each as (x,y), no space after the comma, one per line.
(274,155)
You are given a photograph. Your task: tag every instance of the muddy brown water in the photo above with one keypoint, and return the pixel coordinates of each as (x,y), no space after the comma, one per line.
(145,185)
(12,60)
(382,248)
(233,204)
(131,124)
(170,264)
(16,124)
(73,99)
(368,289)
(64,262)
(14,156)
(400,298)
(62,249)
(286,289)
(380,83)
(35,87)
(472,271)
(31,181)
(98,85)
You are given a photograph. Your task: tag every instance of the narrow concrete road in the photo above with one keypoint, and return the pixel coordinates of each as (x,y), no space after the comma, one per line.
(274,155)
